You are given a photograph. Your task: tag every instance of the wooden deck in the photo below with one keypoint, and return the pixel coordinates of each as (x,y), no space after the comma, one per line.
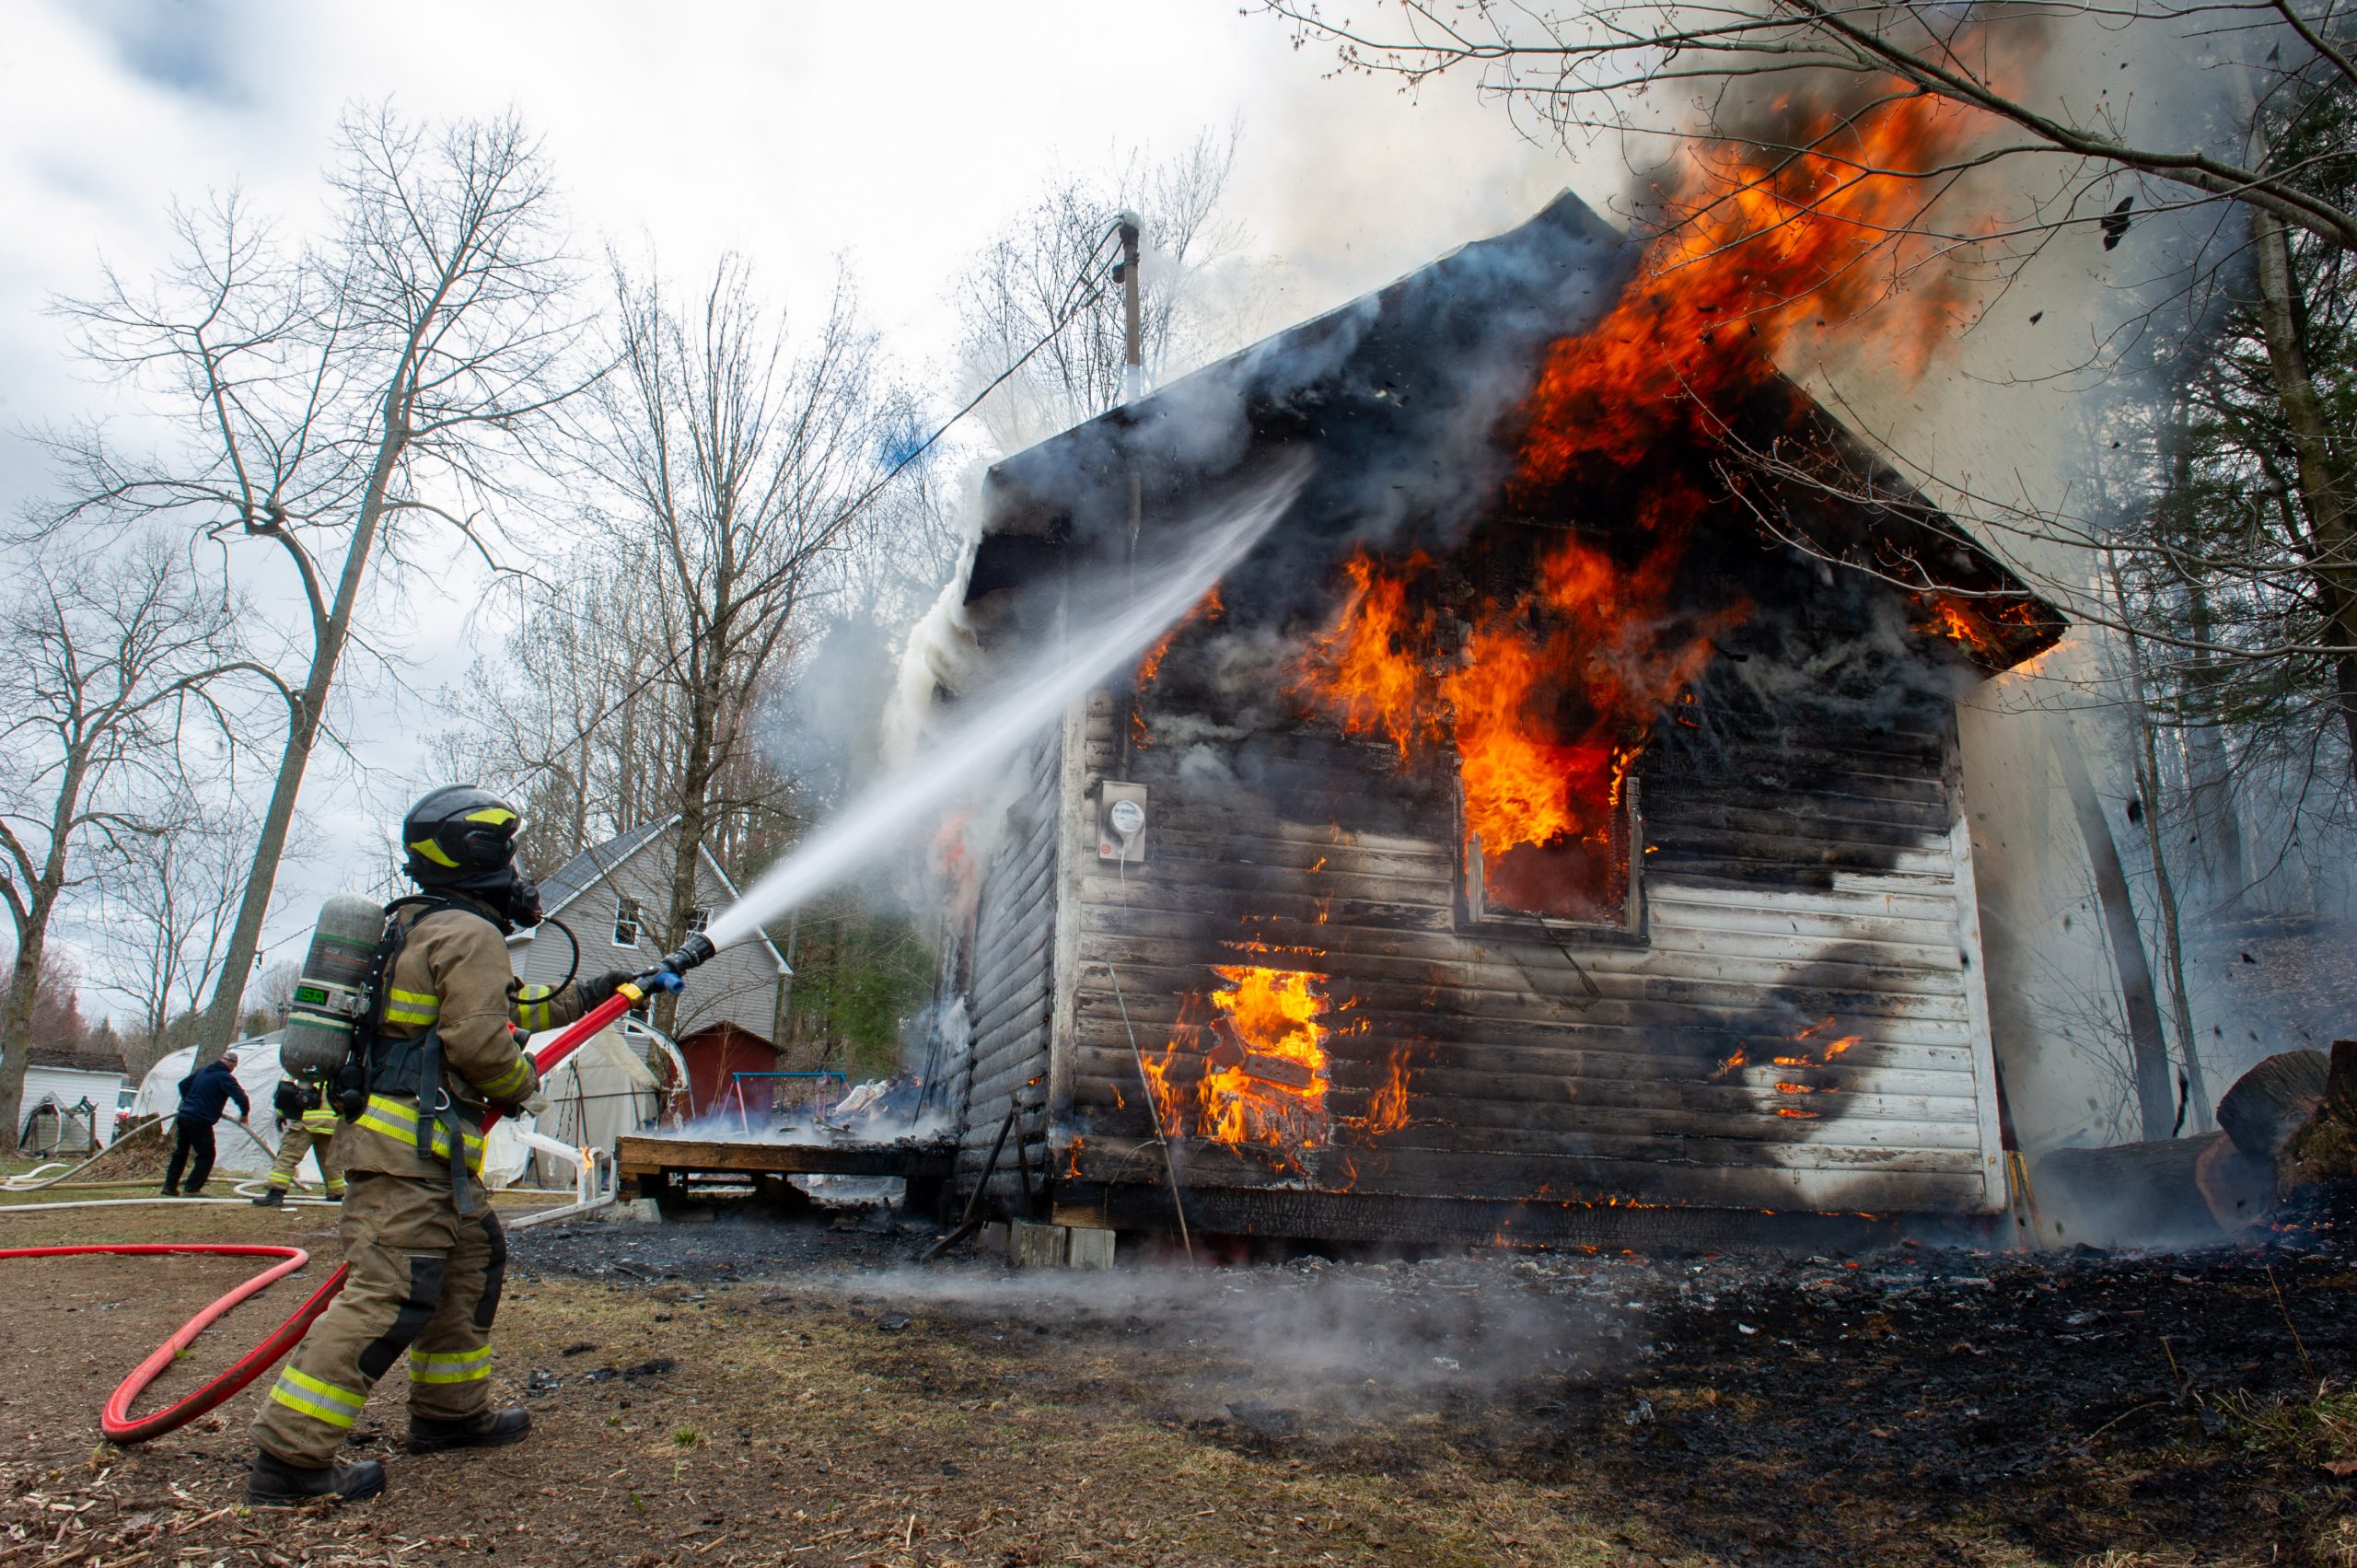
(653,1167)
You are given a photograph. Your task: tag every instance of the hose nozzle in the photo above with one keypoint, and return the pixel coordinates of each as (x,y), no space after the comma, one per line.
(688,955)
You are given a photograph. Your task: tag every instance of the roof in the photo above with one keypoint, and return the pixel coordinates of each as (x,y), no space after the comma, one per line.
(1401,394)
(584,870)
(76,1061)
(597,863)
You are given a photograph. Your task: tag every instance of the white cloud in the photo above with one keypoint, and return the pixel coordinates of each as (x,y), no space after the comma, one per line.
(890,140)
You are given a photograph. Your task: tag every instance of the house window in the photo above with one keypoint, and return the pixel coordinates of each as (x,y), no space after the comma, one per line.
(698,919)
(626,920)
(1588,881)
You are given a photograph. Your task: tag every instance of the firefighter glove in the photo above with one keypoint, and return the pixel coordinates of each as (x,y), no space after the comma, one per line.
(597,987)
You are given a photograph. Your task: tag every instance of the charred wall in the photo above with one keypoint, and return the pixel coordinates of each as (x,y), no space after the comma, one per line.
(1010,981)
(1805,881)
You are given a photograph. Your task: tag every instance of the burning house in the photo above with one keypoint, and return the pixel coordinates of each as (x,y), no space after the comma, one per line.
(1559,813)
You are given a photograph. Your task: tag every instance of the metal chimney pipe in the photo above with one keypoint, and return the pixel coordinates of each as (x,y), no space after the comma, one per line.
(1133,332)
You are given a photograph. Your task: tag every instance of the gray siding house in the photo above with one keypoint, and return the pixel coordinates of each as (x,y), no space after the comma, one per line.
(611,897)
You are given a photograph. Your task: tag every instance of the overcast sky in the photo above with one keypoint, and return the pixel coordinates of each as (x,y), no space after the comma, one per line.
(891,140)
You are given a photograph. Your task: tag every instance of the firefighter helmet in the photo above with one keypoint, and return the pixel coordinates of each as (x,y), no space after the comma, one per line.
(460,837)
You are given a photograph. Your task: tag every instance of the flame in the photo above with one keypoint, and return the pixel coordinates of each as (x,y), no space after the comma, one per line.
(1764,241)
(1546,704)
(1388,1111)
(1208,607)
(1368,668)
(1265,1071)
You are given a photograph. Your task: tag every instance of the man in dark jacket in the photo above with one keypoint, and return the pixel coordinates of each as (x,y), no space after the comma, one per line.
(204,1094)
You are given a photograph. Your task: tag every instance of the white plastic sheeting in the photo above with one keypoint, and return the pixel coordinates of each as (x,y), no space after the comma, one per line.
(159,1095)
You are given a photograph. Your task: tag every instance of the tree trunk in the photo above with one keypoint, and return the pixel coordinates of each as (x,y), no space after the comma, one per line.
(2148,769)
(2148,1049)
(2323,494)
(697,769)
(222,1015)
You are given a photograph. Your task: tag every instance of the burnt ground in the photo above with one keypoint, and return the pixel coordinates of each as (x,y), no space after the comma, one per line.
(764,1392)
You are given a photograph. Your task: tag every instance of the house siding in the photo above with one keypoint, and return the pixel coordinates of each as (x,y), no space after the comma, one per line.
(1011,982)
(1811,872)
(738,985)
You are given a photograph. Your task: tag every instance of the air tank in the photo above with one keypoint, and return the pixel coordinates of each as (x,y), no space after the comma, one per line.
(327,993)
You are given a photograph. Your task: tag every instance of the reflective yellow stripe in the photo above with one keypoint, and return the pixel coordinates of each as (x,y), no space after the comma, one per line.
(452,1366)
(513,1082)
(321,1402)
(320,1124)
(281,1182)
(534,1016)
(418,1007)
(395,1119)
(497,816)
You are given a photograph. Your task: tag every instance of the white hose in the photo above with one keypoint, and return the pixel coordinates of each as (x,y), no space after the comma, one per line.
(176,1203)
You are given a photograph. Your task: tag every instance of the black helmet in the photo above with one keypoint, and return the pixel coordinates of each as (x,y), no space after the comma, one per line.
(459,834)
(464,839)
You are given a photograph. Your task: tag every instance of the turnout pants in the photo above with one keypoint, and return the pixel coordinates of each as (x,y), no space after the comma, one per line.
(425,1281)
(295,1139)
(195,1137)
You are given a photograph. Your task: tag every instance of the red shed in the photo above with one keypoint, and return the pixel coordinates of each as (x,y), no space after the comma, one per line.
(714,1054)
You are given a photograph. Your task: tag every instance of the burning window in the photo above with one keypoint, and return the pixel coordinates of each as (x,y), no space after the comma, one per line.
(1542,693)
(1585,878)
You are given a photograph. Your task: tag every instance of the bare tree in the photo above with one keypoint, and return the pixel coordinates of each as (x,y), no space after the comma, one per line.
(732,464)
(166,914)
(341,406)
(1041,295)
(1578,70)
(113,663)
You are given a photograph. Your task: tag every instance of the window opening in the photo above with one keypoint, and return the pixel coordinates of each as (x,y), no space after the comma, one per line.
(626,923)
(1580,879)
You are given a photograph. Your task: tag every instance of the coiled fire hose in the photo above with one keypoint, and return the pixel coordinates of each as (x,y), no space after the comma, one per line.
(116,1422)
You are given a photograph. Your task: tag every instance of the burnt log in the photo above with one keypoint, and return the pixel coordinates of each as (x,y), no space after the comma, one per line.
(2268,1105)
(2130,1194)
(2239,1188)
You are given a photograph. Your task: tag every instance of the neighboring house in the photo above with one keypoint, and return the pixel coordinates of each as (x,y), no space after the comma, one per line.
(611,897)
(67,1082)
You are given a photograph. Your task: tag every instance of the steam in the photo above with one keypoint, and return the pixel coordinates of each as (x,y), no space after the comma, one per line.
(1029,697)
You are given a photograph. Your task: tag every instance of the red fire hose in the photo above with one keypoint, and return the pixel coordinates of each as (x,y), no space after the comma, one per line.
(116,1419)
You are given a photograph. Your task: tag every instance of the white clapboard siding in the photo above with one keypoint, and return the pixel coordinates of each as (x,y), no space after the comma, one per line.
(1568,1069)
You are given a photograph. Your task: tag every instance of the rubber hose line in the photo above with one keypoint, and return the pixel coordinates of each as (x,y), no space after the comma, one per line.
(116,1419)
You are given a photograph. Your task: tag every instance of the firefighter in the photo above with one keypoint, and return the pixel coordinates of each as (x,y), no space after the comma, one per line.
(425,1252)
(307,1122)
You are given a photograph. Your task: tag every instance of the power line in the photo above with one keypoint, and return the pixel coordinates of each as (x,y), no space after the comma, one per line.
(1068,313)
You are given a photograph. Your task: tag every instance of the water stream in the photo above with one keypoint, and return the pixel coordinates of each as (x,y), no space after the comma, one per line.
(1020,702)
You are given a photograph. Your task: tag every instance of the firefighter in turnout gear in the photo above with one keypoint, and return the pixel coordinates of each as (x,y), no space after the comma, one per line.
(426,1250)
(307,1122)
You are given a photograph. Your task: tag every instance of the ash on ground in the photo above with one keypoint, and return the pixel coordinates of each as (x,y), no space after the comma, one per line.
(1725,1387)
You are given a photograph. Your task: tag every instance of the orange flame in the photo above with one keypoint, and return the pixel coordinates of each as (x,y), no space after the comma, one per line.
(1208,607)
(1764,242)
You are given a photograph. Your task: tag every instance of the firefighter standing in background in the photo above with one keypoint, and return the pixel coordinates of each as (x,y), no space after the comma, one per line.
(425,1251)
(307,1122)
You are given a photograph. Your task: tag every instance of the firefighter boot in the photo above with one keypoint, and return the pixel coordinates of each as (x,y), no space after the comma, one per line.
(271,1199)
(485,1429)
(275,1483)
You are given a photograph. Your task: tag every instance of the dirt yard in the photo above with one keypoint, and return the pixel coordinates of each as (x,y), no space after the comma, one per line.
(770,1392)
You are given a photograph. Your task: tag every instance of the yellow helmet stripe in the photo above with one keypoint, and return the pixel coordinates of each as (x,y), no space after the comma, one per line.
(433,852)
(497,816)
